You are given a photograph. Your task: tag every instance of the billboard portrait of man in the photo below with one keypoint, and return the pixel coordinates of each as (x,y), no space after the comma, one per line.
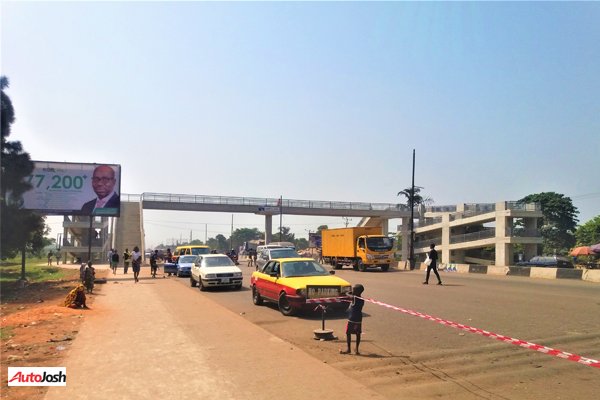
(107,200)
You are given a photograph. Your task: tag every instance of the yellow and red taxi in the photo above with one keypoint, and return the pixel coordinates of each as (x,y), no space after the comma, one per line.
(289,282)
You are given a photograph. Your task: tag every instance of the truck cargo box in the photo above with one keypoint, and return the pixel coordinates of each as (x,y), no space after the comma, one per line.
(341,242)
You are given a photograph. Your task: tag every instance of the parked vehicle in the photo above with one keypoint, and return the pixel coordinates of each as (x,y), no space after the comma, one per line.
(190,250)
(547,261)
(181,267)
(289,282)
(268,254)
(360,247)
(214,270)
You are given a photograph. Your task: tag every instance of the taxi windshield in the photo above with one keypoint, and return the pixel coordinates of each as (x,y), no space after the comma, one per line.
(303,268)
(200,250)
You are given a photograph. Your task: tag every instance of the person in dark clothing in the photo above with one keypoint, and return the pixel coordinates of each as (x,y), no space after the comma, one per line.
(433,256)
(114,262)
(354,324)
(154,263)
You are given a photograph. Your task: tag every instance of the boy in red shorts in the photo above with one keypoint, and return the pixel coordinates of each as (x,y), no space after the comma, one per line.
(354,325)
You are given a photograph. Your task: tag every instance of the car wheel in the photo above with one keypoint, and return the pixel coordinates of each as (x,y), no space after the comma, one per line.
(256,299)
(201,285)
(361,265)
(284,305)
(385,267)
(192,282)
(355,265)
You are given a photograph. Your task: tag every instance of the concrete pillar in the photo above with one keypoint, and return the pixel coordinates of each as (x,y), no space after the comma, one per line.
(445,238)
(268,228)
(503,247)
(385,226)
(405,237)
(129,229)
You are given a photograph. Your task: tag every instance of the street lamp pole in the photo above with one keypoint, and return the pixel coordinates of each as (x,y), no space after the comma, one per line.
(411,254)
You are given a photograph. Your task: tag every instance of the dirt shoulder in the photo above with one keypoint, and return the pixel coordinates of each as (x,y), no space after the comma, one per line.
(37,330)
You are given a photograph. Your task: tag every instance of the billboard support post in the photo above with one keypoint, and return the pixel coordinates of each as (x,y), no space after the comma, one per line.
(90,239)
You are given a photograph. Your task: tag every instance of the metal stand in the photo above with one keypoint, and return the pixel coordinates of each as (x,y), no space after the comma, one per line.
(323,334)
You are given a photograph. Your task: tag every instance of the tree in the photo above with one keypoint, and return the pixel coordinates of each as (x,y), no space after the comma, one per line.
(588,233)
(286,236)
(418,199)
(21,229)
(242,235)
(558,222)
(301,244)
(321,227)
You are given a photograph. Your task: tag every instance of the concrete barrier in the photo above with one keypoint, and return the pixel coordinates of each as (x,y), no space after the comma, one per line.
(591,275)
(493,270)
(541,272)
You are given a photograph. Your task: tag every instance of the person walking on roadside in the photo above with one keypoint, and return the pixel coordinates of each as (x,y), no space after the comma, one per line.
(89,276)
(82,272)
(109,256)
(126,258)
(154,263)
(49,258)
(354,324)
(433,257)
(114,262)
(136,263)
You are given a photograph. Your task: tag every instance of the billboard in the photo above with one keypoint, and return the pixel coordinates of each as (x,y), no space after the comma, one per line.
(63,188)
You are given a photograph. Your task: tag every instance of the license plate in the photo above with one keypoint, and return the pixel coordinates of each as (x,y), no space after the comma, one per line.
(224,280)
(315,292)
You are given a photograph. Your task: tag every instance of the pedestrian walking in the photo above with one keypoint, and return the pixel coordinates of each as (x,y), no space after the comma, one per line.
(432,257)
(50,258)
(114,262)
(82,272)
(126,260)
(154,263)
(109,256)
(136,263)
(354,324)
(89,277)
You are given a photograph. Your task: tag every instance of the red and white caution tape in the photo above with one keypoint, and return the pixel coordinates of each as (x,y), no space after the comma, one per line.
(517,342)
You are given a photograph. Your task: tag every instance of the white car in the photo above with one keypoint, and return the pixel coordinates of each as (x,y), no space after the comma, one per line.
(214,270)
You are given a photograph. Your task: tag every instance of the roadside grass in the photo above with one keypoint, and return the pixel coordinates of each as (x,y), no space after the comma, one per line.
(36,270)
(6,332)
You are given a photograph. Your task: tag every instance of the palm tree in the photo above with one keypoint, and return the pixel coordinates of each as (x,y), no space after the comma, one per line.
(418,199)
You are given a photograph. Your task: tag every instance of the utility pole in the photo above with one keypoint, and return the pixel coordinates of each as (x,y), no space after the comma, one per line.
(346,220)
(411,254)
(231,237)
(206,234)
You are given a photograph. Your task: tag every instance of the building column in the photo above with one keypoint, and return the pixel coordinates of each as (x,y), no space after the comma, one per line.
(445,238)
(503,247)
(268,228)
(405,235)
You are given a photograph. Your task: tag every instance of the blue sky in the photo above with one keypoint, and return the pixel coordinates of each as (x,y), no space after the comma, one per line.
(315,101)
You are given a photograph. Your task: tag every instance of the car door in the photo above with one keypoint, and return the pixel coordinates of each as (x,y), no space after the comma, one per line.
(269,287)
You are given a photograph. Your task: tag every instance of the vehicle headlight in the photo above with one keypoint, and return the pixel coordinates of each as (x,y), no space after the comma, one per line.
(237,274)
(301,292)
(210,276)
(370,257)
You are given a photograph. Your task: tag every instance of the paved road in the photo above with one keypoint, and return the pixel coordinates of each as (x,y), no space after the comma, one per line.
(408,357)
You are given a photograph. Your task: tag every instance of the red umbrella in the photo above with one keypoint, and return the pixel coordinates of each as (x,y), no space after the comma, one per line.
(582,251)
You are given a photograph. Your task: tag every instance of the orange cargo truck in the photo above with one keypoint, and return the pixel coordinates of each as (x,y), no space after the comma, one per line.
(359,247)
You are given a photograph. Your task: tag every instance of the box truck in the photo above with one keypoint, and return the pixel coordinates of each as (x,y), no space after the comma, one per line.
(361,247)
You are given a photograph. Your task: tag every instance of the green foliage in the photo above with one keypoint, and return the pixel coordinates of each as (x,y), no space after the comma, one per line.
(321,227)
(558,222)
(21,229)
(245,235)
(418,199)
(588,233)
(301,244)
(285,236)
